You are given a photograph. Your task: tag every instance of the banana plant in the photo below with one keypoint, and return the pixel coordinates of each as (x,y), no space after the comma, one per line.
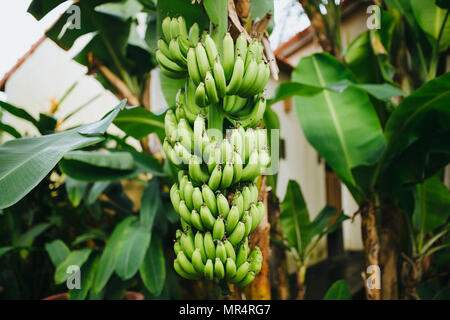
(67,207)
(301,236)
(366,131)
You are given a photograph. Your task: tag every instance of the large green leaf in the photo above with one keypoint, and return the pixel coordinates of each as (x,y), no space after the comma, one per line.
(342,127)
(139,122)
(87,172)
(58,251)
(338,291)
(108,258)
(294,217)
(423,113)
(25,162)
(436,199)
(430,18)
(77,258)
(150,204)
(131,250)
(153,268)
(4,250)
(75,190)
(27,238)
(114,160)
(383,91)
(123,10)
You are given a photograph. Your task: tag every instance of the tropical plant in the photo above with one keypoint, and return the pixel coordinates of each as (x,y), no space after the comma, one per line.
(63,205)
(382,146)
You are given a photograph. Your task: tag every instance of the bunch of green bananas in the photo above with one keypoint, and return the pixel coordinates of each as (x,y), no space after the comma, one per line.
(215,193)
(173,48)
(241,156)
(200,207)
(202,256)
(240,70)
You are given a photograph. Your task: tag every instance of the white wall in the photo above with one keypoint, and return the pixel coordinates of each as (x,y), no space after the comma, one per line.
(45,76)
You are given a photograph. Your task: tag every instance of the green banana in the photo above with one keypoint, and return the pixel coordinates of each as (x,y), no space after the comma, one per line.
(167,63)
(162,45)
(232,219)
(228,55)
(174,28)
(215,178)
(198,241)
(193,71)
(199,128)
(209,270)
(202,59)
(219,270)
(255,117)
(176,247)
(208,219)
(241,46)
(230,269)
(175,196)
(184,274)
(238,234)
(228,101)
(249,78)
(227,175)
(210,87)
(194,33)
(196,172)
(185,264)
(187,243)
(200,95)
(197,198)
(246,194)
(218,229)
(237,167)
(252,169)
(209,198)
(221,252)
(229,250)
(256,216)
(176,54)
(239,201)
(222,204)
(236,78)
(211,49)
(210,248)
(219,78)
(197,261)
(196,220)
(187,192)
(165,26)
(241,272)
(248,279)
(247,220)
(184,212)
(242,255)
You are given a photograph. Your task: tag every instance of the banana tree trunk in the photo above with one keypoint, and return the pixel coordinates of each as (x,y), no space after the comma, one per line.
(260,287)
(390,237)
(371,250)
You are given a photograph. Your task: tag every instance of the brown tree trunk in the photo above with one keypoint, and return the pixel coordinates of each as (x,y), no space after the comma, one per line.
(260,287)
(280,288)
(371,248)
(390,237)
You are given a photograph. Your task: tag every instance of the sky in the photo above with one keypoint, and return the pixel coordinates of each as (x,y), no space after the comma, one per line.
(19,30)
